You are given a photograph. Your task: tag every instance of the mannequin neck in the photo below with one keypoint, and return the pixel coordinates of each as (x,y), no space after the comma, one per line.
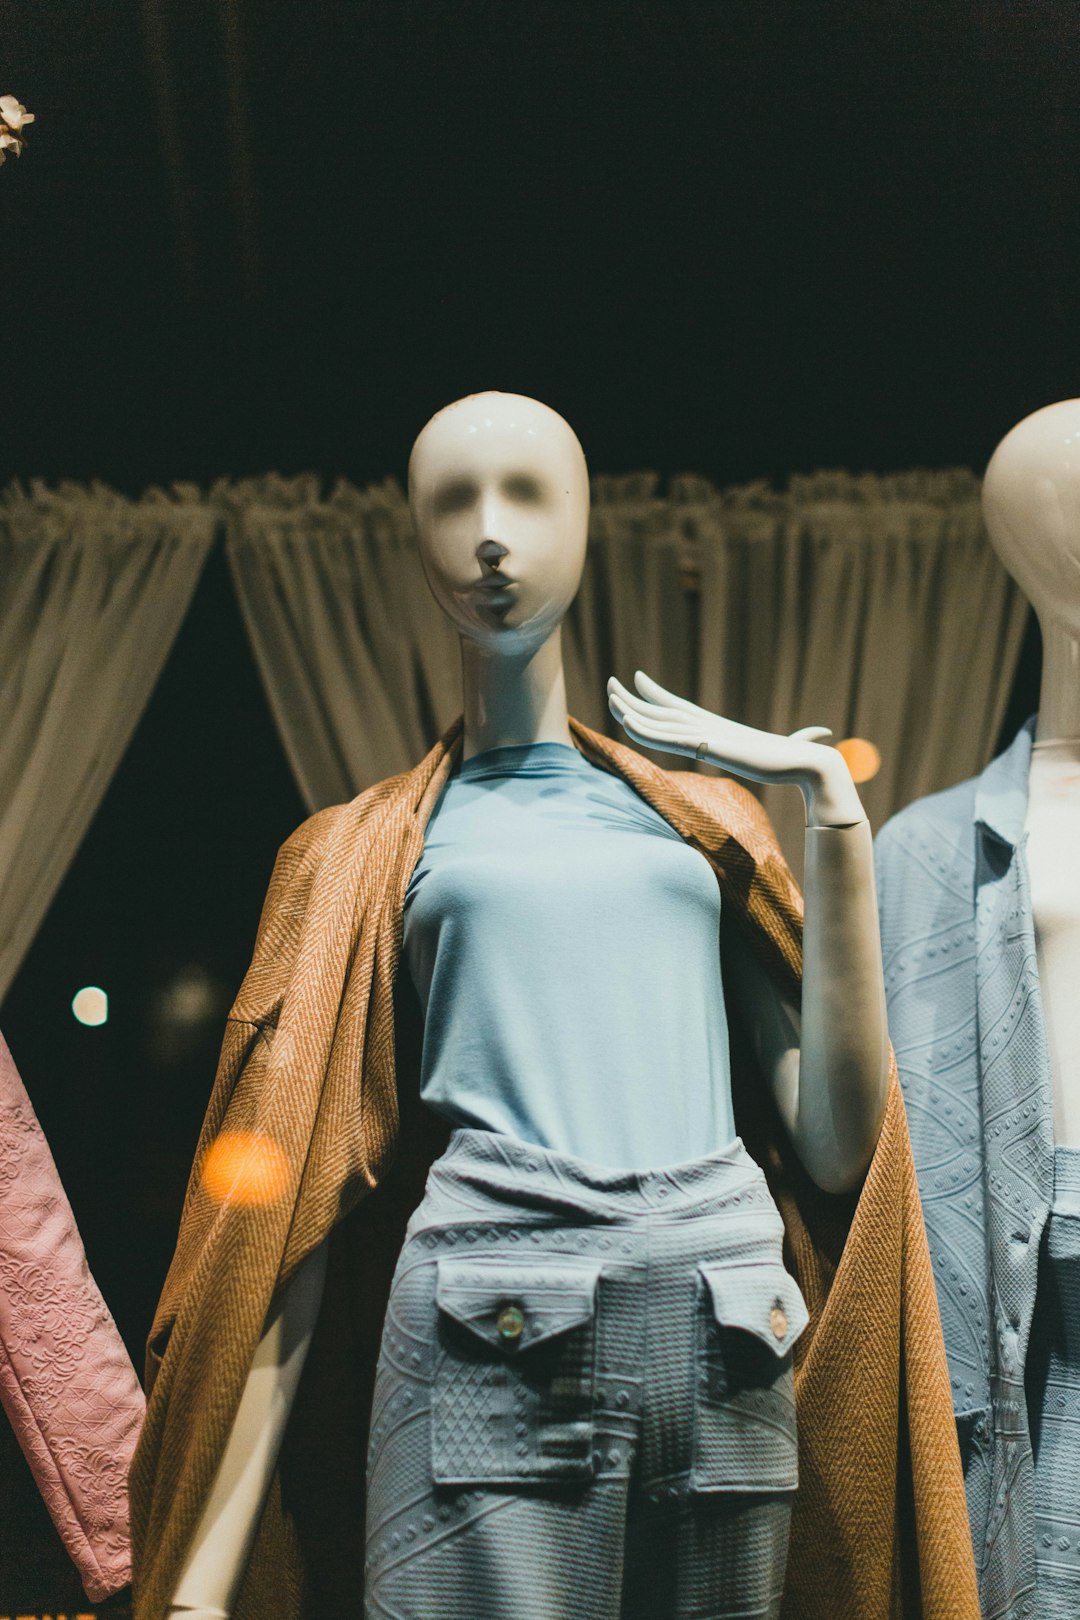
(514,699)
(1059,694)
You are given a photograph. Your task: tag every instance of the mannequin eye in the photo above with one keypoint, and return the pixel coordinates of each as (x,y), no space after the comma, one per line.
(524,488)
(454,496)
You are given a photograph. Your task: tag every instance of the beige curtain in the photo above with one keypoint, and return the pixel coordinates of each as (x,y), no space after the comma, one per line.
(872,605)
(869,604)
(360,667)
(93,588)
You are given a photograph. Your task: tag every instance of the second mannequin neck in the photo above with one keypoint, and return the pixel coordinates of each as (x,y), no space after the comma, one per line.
(1059,695)
(511,698)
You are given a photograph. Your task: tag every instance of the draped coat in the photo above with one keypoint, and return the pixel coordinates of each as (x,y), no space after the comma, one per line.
(320,1065)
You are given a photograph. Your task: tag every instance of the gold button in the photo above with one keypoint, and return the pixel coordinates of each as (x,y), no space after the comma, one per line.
(778,1322)
(511,1322)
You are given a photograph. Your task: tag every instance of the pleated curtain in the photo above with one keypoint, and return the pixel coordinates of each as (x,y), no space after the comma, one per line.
(870,604)
(93,589)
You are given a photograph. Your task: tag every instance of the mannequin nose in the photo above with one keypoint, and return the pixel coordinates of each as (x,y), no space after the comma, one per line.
(491,553)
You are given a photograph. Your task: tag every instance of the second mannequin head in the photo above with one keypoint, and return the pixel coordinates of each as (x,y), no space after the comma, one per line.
(499,492)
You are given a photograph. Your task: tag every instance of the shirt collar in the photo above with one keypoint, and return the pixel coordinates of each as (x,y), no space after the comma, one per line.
(1001,791)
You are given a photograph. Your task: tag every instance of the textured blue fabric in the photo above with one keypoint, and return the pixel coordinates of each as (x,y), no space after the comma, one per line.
(1053,1382)
(965,1017)
(564,942)
(584,1404)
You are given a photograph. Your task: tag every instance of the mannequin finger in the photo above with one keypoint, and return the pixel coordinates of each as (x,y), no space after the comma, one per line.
(631,699)
(659,713)
(812,733)
(671,731)
(644,727)
(660,694)
(670,745)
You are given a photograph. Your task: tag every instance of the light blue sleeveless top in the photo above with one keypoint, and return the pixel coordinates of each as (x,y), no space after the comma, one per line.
(564,943)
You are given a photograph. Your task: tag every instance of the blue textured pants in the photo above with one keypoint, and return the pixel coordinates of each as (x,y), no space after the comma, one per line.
(584,1404)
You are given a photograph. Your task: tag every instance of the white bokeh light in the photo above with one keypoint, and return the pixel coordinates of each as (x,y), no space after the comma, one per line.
(90,1005)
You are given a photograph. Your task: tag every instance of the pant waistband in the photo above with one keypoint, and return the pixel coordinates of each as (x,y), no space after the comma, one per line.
(493,1169)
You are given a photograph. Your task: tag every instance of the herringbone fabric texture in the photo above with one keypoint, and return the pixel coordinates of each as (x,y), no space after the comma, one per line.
(879,1526)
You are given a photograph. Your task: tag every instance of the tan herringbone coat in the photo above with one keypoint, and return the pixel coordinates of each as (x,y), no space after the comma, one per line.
(322,1039)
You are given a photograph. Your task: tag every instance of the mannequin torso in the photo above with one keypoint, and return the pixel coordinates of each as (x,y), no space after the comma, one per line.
(565,944)
(1052,825)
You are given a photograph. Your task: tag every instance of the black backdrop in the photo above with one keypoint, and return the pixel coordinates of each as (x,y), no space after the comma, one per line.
(740,237)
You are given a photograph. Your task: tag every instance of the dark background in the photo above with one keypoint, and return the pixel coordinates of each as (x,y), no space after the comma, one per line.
(737,237)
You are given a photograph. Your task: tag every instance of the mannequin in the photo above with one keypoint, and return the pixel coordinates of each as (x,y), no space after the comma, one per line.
(1031,499)
(985,878)
(500,497)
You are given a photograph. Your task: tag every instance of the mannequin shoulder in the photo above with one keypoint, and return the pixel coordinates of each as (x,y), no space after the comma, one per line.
(299,856)
(730,802)
(288,895)
(306,843)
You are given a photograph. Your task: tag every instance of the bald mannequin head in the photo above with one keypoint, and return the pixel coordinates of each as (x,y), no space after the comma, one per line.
(499,490)
(1031,502)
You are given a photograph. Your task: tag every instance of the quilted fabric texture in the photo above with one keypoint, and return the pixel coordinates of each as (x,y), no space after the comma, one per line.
(321,1052)
(66,1381)
(965,1016)
(487,1425)
(543,1301)
(636,1457)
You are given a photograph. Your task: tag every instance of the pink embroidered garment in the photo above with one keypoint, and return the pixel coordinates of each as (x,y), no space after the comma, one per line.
(66,1381)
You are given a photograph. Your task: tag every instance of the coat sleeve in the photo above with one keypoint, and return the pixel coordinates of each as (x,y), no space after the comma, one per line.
(66,1381)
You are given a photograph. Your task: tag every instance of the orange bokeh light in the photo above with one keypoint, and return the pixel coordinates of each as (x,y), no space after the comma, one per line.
(863,760)
(243,1167)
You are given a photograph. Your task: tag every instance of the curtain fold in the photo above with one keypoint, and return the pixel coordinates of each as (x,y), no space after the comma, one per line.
(94,589)
(361,668)
(870,604)
(873,605)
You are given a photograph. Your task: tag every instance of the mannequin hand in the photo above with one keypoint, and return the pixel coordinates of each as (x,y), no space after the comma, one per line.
(659,719)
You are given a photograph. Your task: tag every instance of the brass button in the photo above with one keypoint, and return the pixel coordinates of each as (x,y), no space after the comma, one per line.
(511,1322)
(778,1322)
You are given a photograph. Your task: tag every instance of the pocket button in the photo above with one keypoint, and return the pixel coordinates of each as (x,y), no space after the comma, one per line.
(778,1321)
(511,1323)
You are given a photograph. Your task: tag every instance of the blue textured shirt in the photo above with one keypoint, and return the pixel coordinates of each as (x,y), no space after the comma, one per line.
(965,1017)
(564,942)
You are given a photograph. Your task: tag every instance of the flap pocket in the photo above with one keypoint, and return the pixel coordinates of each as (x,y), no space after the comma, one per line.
(749,1316)
(515,1304)
(761,1299)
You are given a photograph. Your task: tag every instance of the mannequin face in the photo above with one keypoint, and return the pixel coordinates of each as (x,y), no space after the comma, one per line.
(499,492)
(1031,502)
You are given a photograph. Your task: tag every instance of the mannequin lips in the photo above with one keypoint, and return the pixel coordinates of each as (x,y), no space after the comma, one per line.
(494,582)
(494,595)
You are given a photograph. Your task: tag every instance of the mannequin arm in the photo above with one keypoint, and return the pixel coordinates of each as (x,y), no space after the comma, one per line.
(222,1543)
(828,1063)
